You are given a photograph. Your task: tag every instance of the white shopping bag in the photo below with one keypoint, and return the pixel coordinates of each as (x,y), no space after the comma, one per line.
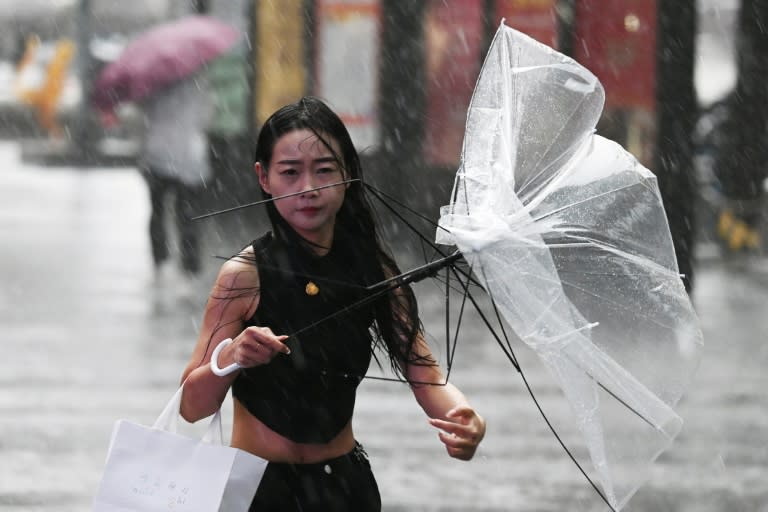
(153,469)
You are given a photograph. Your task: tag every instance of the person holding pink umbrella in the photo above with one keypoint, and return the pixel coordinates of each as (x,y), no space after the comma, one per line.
(162,70)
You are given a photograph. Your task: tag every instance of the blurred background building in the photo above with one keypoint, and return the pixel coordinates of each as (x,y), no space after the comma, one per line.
(400,74)
(392,68)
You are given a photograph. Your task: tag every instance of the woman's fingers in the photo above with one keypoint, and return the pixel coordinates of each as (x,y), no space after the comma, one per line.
(450,427)
(258,346)
(461,432)
(264,337)
(457,447)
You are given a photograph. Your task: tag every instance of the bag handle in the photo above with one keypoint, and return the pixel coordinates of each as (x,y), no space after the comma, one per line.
(169,420)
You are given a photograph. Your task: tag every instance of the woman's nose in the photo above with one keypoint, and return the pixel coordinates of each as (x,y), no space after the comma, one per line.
(308,184)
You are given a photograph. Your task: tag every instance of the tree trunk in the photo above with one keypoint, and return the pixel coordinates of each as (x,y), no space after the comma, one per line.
(676,118)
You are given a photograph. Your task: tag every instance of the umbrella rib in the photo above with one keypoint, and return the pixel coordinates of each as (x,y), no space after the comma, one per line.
(591,242)
(379,194)
(452,348)
(571,205)
(625,404)
(588,292)
(271,199)
(442,254)
(562,443)
(498,319)
(506,349)
(617,304)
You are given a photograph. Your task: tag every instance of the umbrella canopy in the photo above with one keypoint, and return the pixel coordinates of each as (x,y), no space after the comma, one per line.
(567,233)
(161,56)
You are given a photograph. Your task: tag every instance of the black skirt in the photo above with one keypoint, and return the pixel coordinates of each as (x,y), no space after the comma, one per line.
(341,484)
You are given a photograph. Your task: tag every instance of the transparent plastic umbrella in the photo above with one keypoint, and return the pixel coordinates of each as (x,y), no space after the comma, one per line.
(566,232)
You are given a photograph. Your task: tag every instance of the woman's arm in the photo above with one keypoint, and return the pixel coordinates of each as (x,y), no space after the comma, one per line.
(461,427)
(233,300)
(233,297)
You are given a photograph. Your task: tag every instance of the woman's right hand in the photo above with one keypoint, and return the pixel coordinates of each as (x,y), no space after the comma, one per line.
(256,346)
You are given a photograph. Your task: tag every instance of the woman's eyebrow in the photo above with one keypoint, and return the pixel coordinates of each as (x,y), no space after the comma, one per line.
(324,159)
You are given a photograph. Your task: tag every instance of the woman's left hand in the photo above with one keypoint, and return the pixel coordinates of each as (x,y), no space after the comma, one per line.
(461,431)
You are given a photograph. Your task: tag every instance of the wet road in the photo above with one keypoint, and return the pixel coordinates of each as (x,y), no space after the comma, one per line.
(88,340)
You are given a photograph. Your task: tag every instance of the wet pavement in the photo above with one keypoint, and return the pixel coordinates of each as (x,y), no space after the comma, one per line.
(89,339)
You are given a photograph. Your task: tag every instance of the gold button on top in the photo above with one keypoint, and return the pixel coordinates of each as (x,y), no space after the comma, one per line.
(312,289)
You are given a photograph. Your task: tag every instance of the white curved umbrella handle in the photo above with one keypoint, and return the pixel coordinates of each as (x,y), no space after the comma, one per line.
(221,372)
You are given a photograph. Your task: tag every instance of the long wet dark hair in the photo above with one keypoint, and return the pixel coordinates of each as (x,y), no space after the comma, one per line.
(397,320)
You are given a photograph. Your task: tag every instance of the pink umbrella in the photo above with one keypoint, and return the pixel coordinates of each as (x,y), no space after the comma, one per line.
(161,56)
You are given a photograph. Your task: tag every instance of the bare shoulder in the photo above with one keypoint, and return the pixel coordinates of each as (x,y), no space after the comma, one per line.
(238,273)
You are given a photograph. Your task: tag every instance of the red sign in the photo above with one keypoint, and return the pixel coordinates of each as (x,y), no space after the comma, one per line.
(616,40)
(535,18)
(453,34)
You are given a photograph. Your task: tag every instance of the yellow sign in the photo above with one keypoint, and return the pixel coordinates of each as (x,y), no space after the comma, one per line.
(279,63)
(42,88)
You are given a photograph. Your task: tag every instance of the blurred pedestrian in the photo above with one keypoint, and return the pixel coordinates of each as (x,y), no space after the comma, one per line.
(175,164)
(296,372)
(162,69)
(228,133)
(742,163)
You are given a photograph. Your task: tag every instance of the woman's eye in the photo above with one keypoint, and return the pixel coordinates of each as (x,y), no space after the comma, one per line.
(325,170)
(288,172)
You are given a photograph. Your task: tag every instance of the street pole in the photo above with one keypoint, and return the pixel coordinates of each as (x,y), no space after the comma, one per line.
(565,11)
(82,136)
(677,107)
(201,6)
(742,157)
(402,98)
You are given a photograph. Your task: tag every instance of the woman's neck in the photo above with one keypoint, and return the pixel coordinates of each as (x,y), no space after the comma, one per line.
(317,243)
(321,250)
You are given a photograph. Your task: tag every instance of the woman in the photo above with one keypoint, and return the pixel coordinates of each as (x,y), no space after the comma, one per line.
(294,397)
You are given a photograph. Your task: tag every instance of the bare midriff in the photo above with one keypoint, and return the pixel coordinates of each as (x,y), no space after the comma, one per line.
(251,435)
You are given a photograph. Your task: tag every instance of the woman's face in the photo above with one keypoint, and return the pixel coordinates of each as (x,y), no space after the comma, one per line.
(301,162)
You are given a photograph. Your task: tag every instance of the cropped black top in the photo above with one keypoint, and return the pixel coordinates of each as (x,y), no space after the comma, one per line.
(308,396)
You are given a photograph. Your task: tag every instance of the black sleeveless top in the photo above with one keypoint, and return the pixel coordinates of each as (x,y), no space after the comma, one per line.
(309,395)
